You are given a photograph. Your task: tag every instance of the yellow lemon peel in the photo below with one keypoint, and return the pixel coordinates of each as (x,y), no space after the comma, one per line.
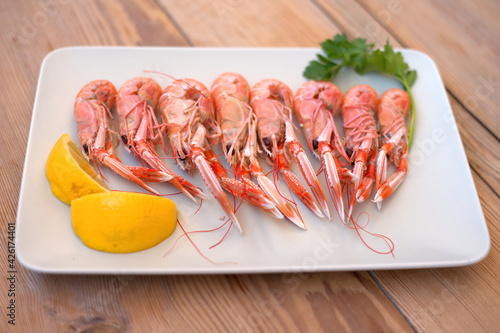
(69,173)
(123,222)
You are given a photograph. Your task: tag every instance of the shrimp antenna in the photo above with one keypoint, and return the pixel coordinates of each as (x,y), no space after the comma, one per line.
(160,73)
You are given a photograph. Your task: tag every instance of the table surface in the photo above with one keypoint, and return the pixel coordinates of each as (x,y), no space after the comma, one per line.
(461,38)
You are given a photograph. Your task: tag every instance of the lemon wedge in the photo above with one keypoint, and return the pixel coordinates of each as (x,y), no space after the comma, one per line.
(69,173)
(123,222)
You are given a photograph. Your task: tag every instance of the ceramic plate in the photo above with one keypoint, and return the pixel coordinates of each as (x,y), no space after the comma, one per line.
(434,219)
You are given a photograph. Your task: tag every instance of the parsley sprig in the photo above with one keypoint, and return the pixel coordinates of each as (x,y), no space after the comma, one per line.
(363,58)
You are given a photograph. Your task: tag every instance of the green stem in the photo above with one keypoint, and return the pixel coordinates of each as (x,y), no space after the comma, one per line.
(411,125)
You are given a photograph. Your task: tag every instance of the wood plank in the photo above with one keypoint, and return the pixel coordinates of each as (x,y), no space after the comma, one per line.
(355,21)
(462,39)
(251,23)
(481,147)
(246,303)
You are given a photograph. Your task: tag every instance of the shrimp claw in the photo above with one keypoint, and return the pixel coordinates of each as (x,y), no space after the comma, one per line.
(244,189)
(331,165)
(209,176)
(366,186)
(307,171)
(284,206)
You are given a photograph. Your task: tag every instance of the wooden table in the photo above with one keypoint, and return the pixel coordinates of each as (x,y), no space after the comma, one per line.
(461,37)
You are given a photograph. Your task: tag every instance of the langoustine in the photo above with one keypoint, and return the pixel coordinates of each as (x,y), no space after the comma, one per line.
(238,123)
(272,102)
(187,109)
(392,110)
(315,104)
(361,138)
(136,103)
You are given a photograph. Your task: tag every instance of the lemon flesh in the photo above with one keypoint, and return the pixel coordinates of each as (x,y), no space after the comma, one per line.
(123,222)
(69,173)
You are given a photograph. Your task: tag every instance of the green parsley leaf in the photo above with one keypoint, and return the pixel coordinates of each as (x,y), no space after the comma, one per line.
(353,53)
(317,71)
(323,69)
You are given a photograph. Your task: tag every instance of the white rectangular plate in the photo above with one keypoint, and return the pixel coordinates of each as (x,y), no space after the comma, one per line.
(434,218)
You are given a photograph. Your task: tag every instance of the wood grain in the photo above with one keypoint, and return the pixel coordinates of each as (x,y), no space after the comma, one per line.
(355,21)
(251,23)
(246,303)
